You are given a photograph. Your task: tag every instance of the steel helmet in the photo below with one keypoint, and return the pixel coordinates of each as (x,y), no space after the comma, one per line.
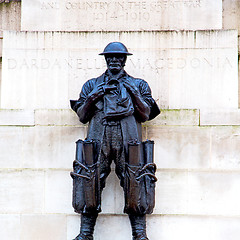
(115,47)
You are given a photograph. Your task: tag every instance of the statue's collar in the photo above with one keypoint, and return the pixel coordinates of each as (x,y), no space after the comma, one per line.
(110,77)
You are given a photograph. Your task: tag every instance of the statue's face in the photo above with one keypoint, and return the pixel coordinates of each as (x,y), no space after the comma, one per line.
(115,62)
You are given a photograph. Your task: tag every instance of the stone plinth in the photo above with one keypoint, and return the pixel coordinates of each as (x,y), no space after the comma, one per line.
(231,14)
(1,40)
(10,15)
(186,69)
(159,227)
(231,20)
(197,193)
(120,15)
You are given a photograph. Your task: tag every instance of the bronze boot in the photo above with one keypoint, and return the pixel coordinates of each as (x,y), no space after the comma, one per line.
(87,227)
(138,223)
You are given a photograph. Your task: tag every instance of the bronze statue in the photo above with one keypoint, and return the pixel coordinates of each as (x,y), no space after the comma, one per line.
(115,104)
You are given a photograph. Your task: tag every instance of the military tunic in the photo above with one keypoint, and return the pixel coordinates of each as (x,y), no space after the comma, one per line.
(113,120)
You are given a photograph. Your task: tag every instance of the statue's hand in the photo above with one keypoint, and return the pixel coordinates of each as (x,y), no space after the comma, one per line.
(96,93)
(141,107)
(109,88)
(132,89)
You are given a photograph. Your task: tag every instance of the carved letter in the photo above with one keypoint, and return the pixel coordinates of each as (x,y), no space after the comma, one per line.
(45,63)
(24,64)
(181,63)
(12,63)
(195,62)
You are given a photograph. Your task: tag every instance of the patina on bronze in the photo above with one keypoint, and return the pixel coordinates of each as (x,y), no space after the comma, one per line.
(8,1)
(114,104)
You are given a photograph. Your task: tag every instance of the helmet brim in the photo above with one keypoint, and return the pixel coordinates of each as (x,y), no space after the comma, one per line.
(115,52)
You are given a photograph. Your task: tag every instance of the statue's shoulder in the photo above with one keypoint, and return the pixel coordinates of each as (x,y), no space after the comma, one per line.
(91,83)
(138,81)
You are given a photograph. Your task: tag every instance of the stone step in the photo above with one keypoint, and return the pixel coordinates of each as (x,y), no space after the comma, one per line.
(62,227)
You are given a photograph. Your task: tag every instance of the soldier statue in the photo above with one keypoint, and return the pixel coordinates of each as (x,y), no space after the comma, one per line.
(114,105)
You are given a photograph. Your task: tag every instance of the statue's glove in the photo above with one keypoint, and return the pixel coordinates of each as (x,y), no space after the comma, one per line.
(99,91)
(96,93)
(132,89)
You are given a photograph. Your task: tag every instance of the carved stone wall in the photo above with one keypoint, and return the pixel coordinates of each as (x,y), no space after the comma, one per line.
(192,71)
(121,15)
(10,19)
(183,74)
(231,20)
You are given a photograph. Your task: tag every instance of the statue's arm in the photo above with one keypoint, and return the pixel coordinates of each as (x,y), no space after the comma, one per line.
(85,105)
(146,94)
(142,108)
(145,106)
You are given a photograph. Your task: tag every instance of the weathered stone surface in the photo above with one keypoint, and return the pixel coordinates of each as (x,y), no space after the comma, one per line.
(189,91)
(10,16)
(231,14)
(11,142)
(239,77)
(122,15)
(220,117)
(1,41)
(231,20)
(46,227)
(67,117)
(0,75)
(198,176)
(215,39)
(198,193)
(10,19)
(192,227)
(225,148)
(9,224)
(177,192)
(50,147)
(58,192)
(113,196)
(186,70)
(73,226)
(164,227)
(39,147)
(177,117)
(23,191)
(16,117)
(119,225)
(181,147)
(56,117)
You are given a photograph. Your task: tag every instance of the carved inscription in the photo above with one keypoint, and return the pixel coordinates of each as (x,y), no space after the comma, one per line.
(86,64)
(122,5)
(121,10)
(121,15)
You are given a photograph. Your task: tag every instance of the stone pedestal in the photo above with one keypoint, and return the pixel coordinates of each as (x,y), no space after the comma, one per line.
(231,20)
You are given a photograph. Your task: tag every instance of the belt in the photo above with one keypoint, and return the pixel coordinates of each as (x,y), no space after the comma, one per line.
(110,122)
